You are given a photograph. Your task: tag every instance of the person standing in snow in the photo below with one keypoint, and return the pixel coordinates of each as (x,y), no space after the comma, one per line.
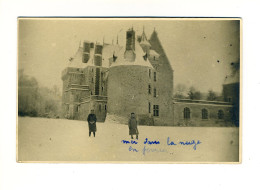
(92,119)
(132,124)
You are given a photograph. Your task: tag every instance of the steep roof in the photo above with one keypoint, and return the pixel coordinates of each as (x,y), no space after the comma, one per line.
(107,52)
(144,40)
(234,78)
(235,74)
(157,46)
(76,60)
(139,60)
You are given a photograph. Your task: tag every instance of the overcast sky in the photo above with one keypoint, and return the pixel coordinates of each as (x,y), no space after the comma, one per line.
(200,51)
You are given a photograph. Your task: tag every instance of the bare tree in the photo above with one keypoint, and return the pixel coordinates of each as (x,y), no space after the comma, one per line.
(194,94)
(180,91)
(212,96)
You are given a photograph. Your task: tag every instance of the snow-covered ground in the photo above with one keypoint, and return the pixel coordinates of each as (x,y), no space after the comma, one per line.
(41,139)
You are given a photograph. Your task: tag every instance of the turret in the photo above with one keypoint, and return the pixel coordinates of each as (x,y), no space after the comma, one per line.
(144,43)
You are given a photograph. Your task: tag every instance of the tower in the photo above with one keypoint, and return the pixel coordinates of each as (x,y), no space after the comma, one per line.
(128,82)
(144,43)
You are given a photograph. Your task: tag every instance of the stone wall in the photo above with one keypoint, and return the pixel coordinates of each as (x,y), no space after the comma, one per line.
(196,114)
(163,84)
(128,91)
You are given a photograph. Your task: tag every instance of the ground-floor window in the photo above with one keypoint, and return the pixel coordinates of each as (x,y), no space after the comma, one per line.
(155,110)
(77,108)
(220,114)
(149,107)
(99,107)
(204,114)
(186,113)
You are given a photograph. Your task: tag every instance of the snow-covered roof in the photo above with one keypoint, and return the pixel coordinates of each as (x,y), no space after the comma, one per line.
(145,43)
(139,59)
(153,53)
(76,60)
(107,52)
(144,40)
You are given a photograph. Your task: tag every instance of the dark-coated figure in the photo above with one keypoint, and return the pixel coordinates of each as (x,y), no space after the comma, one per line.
(92,119)
(132,124)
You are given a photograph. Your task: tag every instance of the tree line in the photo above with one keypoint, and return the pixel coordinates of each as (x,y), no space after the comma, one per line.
(37,101)
(181,91)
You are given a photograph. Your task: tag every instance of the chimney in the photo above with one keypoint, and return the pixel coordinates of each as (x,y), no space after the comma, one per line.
(130,46)
(86,51)
(130,39)
(98,55)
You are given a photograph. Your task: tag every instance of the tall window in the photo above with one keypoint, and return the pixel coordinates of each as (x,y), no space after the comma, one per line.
(204,114)
(186,113)
(154,76)
(149,89)
(150,72)
(155,110)
(149,107)
(105,107)
(220,114)
(154,92)
(77,108)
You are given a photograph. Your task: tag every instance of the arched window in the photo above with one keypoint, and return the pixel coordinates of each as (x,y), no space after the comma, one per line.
(186,113)
(204,114)
(220,114)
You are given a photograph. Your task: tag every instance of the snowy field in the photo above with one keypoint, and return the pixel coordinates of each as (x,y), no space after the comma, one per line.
(41,139)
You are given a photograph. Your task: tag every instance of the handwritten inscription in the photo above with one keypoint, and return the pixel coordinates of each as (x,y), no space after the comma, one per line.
(152,143)
(170,142)
(193,142)
(132,149)
(145,149)
(129,142)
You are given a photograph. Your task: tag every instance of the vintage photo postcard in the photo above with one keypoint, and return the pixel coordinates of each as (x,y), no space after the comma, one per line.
(129,90)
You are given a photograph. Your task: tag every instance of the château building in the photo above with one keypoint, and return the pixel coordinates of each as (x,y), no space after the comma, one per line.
(116,80)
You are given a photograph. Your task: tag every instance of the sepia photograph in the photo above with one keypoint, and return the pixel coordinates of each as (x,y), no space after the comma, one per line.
(129,90)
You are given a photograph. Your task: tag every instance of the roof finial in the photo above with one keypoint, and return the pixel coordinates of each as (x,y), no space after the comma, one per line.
(103,40)
(143,28)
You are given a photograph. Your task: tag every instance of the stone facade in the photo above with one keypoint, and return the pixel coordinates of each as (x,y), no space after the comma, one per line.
(116,81)
(202,113)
